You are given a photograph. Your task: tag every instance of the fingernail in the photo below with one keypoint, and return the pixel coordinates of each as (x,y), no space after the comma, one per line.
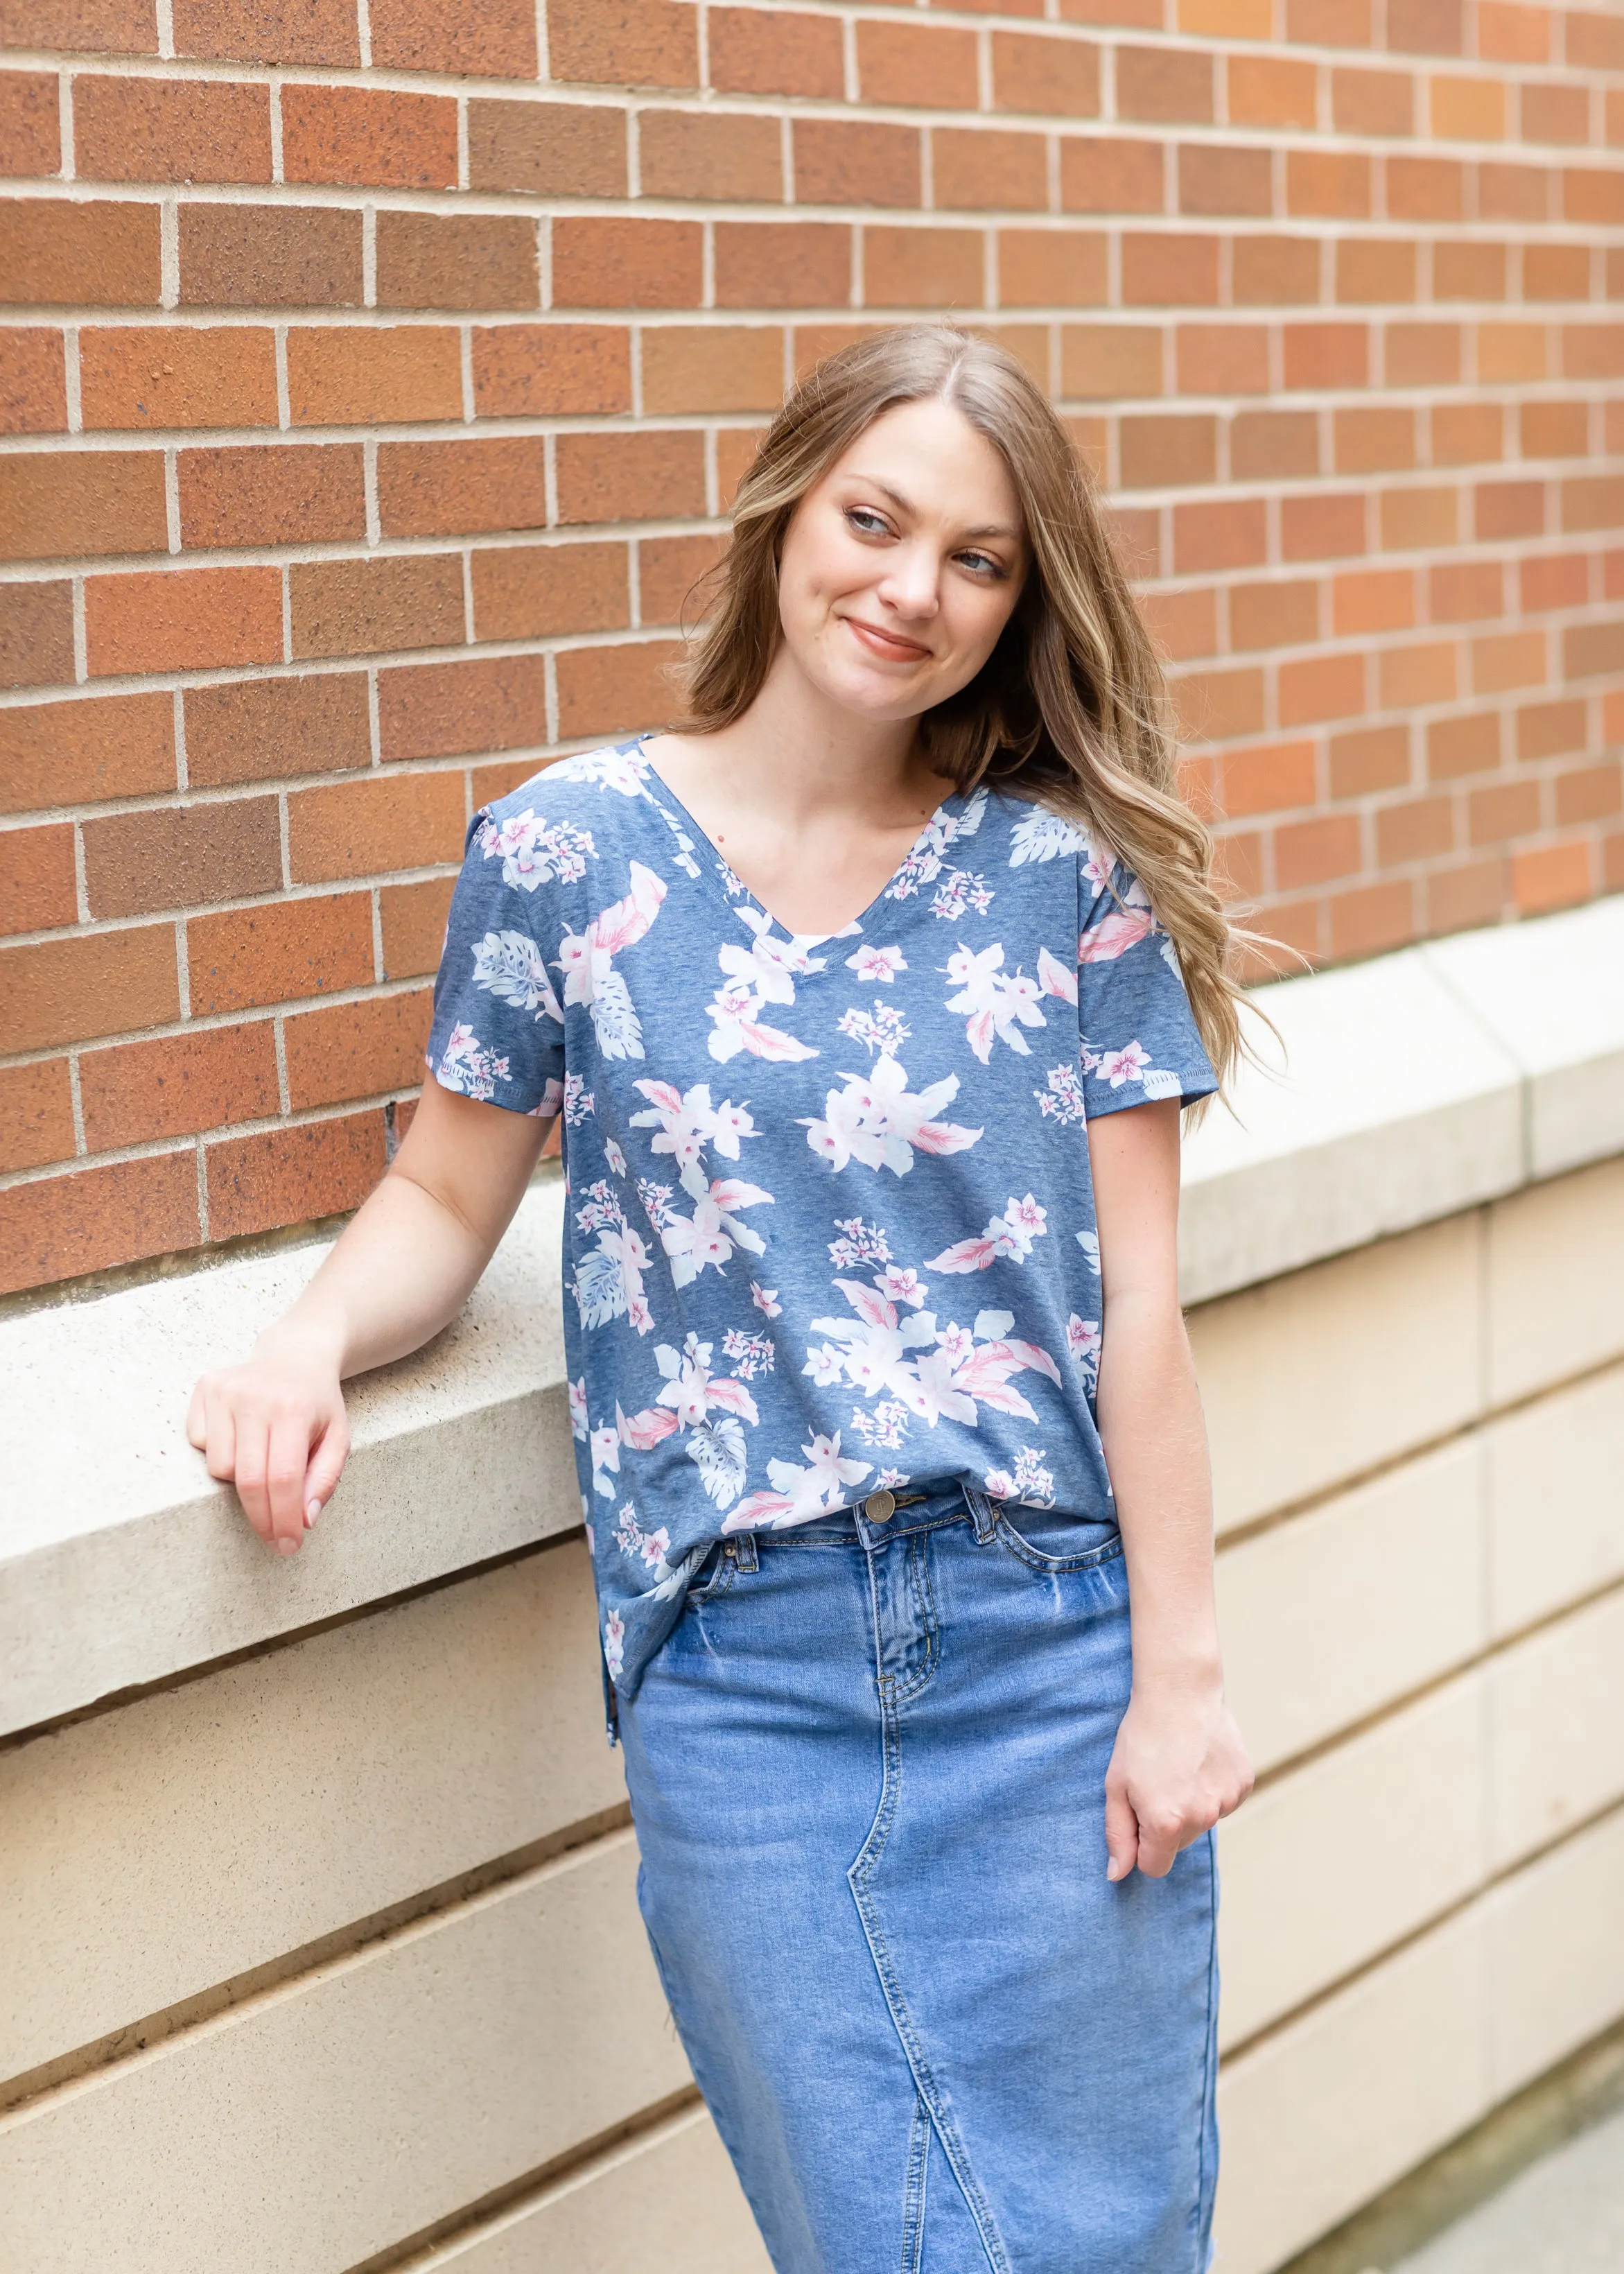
(311,1512)
(287,1547)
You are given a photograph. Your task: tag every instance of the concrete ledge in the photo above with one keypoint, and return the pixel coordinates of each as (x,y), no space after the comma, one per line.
(1418,1085)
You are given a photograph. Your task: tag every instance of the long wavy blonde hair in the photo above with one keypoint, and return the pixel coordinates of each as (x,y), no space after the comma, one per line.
(1071,708)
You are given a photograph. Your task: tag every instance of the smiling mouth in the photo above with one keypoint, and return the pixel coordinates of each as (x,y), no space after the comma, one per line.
(892,644)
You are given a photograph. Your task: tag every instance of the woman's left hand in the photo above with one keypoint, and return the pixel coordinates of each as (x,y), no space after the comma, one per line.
(1178,1765)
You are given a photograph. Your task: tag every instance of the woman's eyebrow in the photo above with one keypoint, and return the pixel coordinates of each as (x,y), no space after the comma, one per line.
(905,505)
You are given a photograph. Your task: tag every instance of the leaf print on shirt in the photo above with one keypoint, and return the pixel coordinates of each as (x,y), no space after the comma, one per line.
(923,864)
(961,892)
(883,1029)
(800,1493)
(878,1121)
(954,1366)
(1042,834)
(1010,1234)
(608,1280)
(578,1101)
(534,852)
(994,1000)
(587,960)
(1054,978)
(1083,1342)
(467,1067)
(1114,934)
(509,966)
(765,972)
(1031,1484)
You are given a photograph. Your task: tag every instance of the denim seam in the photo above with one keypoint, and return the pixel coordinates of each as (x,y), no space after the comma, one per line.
(913,2192)
(1205,2181)
(901,1692)
(1009,1539)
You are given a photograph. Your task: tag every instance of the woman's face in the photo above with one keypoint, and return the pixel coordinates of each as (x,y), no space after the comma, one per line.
(901,567)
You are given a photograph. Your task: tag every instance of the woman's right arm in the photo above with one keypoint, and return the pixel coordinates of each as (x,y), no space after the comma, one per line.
(402,1269)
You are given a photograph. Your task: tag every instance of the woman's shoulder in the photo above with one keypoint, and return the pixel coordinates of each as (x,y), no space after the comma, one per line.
(1031,833)
(591,784)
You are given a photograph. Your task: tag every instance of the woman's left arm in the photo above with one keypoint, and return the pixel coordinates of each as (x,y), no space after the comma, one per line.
(1179,1763)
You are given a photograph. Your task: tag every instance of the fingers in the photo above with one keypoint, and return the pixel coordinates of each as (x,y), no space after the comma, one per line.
(1161,1837)
(286,1457)
(326,1464)
(1122,1833)
(248,1468)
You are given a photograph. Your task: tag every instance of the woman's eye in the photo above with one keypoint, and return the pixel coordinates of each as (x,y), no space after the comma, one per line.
(864,517)
(983,563)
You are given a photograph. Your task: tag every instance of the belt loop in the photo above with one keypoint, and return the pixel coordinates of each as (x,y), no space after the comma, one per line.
(985,1514)
(742,1547)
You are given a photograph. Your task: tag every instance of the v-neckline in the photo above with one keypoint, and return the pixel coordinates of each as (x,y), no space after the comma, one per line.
(854,927)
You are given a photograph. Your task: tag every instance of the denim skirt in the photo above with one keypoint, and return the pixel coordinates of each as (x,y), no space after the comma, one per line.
(867,1771)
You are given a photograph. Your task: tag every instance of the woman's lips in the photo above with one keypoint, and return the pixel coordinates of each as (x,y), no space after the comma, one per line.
(890,644)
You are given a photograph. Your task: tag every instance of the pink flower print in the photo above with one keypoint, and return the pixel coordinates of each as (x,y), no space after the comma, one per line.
(605,1444)
(638,1314)
(901,1287)
(614,1157)
(1054,978)
(1082,1337)
(1124,1066)
(956,1343)
(878,1121)
(766,1300)
(615,1644)
(891,1479)
(1000,1484)
(800,1493)
(693,1242)
(996,1002)
(729,1124)
(1114,936)
(577,1411)
(1011,1234)
(587,960)
(877,966)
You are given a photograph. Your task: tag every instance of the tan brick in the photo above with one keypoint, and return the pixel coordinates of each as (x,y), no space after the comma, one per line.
(1561,581)
(1272,272)
(295,1174)
(1555,114)
(1222,533)
(440,489)
(605,690)
(98,254)
(441,710)
(1322,527)
(1556,272)
(1166,452)
(856,162)
(668,571)
(73,502)
(72,989)
(1315,688)
(1274,615)
(921,268)
(783,264)
(259,730)
(754,53)
(712,367)
(140,376)
(1510,32)
(1053,267)
(348,1051)
(1101,361)
(630,43)
(1375,269)
(182,130)
(634,476)
(1373,438)
(974,169)
(369,828)
(547,149)
(1369,600)
(1369,759)
(368,136)
(1271,91)
(1426,28)
(1166,85)
(695,153)
(362,608)
(182,856)
(1214,178)
(36,1114)
(609,262)
(1461,592)
(1467,434)
(1274,445)
(341,375)
(1269,778)
(270,257)
(179,1085)
(1424,189)
(1373,101)
(1467,110)
(1114,176)
(1059,76)
(1551,730)
(279,952)
(1168,271)
(61,1227)
(905,63)
(481,261)
(310,495)
(1329,183)
(1514,192)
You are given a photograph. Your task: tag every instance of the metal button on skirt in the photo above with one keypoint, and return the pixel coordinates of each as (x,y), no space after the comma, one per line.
(867,1771)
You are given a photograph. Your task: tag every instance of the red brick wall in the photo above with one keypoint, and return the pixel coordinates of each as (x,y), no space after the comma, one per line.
(371,387)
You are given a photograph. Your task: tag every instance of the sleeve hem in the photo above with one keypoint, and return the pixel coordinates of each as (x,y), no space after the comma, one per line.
(1193,1088)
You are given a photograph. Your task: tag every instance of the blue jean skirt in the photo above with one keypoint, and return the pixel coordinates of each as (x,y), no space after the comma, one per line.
(867,1771)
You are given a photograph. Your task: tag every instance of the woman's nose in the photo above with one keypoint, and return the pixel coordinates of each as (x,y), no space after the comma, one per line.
(912,584)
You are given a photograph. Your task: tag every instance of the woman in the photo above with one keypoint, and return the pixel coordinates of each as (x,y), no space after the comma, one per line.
(888,1437)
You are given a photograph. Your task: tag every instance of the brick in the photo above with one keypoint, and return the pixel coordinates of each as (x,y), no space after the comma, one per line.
(440,489)
(1589,794)
(1100,360)
(79,752)
(1419,517)
(1514,192)
(607,262)
(1426,27)
(72,989)
(856,162)
(1325,355)
(1593,41)
(1511,33)
(1507,810)
(1267,779)
(1313,852)
(1458,897)
(181,856)
(1409,676)
(1274,445)
(1183,625)
(1551,730)
(1418,829)
(98,254)
(279,953)
(1323,527)
(1320,687)
(1271,91)
(63,1227)
(182,619)
(369,828)
(1373,440)
(1143,15)
(921,268)
(1329,23)
(413,918)
(37,891)
(1167,452)
(695,153)
(668,569)
(268,31)
(1551,876)
(1371,920)
(270,257)
(259,495)
(259,730)
(1274,615)
(735,452)
(341,375)
(30,143)
(1114,178)
(1589,651)
(1273,271)
(1470,271)
(483,38)
(1372,601)
(1468,745)
(1335,184)
(1422,355)
(442,710)
(547,149)
(1222,533)
(752,53)
(1056,77)
(627,477)
(1166,85)
(140,376)
(363,607)
(1556,272)
(126,28)
(1373,268)
(1508,352)
(552,370)
(295,1174)
(623,42)
(1215,706)
(1369,759)
(1592,351)
(1593,501)
(783,264)
(37,634)
(1559,581)
(1216,179)
(72,502)
(1590,194)
(348,1051)
(1053,267)
(1228,19)
(36,1114)
(1555,114)
(1467,434)
(1425,189)
(368,136)
(909,63)
(33,397)
(1461,592)
(483,261)
(1169,272)
(712,367)
(182,130)
(976,167)
(605,690)
(1372,101)
(1467,110)
(179,1085)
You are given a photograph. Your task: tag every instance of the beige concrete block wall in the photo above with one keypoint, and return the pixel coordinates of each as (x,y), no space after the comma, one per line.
(327,1957)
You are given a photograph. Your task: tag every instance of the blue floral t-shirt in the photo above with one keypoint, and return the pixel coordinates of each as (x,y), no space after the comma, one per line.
(829,1226)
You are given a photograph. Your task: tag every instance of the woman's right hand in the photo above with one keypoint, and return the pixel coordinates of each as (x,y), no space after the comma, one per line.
(275,1428)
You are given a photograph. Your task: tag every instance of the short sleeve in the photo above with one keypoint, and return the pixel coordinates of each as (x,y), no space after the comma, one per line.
(1139,1038)
(498,1033)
